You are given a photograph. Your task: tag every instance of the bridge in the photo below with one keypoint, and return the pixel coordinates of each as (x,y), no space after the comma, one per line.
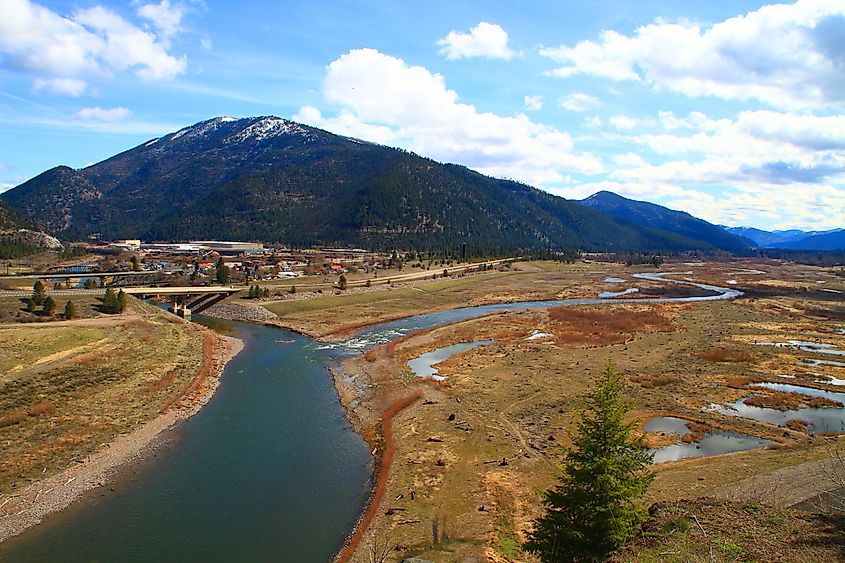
(118,279)
(185,300)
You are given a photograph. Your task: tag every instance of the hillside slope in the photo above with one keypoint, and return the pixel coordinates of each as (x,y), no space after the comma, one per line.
(656,216)
(834,240)
(270,179)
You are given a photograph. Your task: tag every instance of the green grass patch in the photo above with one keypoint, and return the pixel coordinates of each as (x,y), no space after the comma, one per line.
(21,346)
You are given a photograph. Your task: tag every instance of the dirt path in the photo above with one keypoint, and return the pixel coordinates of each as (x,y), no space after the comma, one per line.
(31,505)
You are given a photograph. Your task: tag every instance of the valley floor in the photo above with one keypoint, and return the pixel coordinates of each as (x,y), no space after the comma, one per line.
(473,451)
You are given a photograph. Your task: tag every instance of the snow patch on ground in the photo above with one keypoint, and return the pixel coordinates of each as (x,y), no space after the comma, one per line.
(537,335)
(269,127)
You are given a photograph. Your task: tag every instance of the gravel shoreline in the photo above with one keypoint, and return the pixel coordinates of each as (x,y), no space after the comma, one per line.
(30,505)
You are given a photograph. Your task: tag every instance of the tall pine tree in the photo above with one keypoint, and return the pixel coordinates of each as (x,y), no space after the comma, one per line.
(596,506)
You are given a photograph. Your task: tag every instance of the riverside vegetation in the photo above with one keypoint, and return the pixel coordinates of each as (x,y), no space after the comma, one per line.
(472,452)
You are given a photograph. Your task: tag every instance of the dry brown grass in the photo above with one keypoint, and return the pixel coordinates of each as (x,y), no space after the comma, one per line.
(789,401)
(63,409)
(42,407)
(600,327)
(797,425)
(651,381)
(725,355)
(11,418)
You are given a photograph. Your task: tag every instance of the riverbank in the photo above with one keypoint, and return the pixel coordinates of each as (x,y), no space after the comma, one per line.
(471,454)
(31,504)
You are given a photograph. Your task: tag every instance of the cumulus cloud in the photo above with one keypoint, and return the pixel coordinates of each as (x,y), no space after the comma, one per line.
(383,99)
(533,103)
(790,56)
(165,17)
(100,114)
(486,40)
(64,52)
(579,102)
(780,168)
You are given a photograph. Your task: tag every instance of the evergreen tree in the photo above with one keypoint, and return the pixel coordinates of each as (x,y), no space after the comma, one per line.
(341,283)
(70,310)
(292,288)
(133,262)
(110,301)
(49,306)
(596,506)
(222,273)
(121,301)
(251,294)
(30,305)
(368,284)
(39,292)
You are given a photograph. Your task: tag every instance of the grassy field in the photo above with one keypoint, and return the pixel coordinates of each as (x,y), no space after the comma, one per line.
(13,309)
(67,389)
(339,313)
(24,346)
(708,530)
(472,455)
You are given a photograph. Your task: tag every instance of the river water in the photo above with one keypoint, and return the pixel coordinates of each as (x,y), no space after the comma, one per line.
(269,470)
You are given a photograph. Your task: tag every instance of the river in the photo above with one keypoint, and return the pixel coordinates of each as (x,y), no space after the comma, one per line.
(270,469)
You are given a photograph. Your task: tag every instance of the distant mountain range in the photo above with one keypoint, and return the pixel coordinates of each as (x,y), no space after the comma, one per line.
(793,239)
(274,180)
(270,179)
(656,216)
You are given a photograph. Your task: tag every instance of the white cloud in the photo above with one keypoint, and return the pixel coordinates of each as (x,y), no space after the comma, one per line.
(5,187)
(63,86)
(165,17)
(786,55)
(383,99)
(65,52)
(486,40)
(629,159)
(533,103)
(579,102)
(100,114)
(627,123)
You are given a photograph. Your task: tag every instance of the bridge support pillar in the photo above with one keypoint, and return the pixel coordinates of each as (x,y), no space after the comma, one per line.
(179,307)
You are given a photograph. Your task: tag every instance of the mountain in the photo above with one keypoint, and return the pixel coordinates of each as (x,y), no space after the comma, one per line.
(793,238)
(11,219)
(830,240)
(270,179)
(19,235)
(656,216)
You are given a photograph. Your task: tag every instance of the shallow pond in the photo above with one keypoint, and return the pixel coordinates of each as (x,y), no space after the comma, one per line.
(423,366)
(805,346)
(713,443)
(668,425)
(819,420)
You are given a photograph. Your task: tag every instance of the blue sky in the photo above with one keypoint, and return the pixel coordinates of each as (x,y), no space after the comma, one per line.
(733,111)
